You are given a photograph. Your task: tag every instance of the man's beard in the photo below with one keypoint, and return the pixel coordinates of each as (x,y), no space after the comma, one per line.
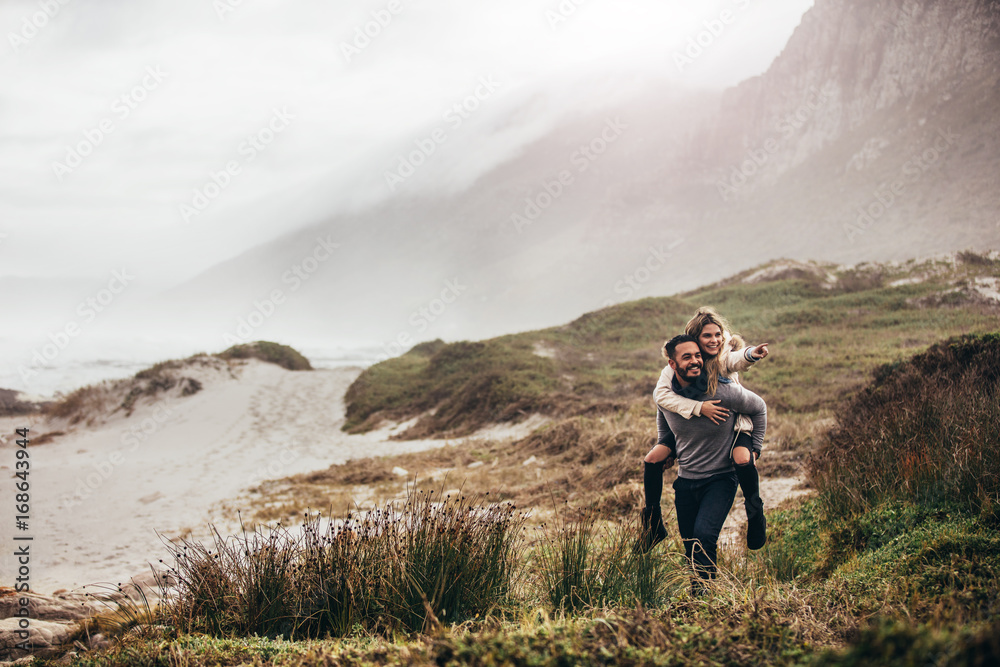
(691,373)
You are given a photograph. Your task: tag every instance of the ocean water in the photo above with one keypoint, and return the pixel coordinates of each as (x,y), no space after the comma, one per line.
(45,372)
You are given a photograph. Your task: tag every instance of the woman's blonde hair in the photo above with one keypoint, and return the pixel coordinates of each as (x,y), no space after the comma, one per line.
(713,365)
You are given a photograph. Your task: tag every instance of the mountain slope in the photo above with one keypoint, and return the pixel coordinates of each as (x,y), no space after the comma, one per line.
(873,136)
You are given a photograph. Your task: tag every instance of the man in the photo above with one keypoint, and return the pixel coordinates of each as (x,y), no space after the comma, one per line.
(706,480)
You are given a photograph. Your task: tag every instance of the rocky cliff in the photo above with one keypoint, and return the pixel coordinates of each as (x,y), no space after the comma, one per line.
(848,61)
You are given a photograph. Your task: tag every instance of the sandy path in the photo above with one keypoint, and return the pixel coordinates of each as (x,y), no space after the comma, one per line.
(99,494)
(773,491)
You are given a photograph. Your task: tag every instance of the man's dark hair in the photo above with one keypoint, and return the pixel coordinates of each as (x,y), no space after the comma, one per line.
(671,345)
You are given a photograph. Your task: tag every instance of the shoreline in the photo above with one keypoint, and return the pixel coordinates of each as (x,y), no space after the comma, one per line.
(101,494)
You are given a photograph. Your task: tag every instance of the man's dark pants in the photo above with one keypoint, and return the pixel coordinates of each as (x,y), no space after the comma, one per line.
(702,507)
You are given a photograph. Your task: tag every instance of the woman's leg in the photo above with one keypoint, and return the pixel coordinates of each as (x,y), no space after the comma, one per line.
(653,530)
(746,472)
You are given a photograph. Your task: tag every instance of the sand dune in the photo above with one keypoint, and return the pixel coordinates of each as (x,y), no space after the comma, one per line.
(99,494)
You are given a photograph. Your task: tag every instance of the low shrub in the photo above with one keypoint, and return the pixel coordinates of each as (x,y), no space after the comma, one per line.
(896,642)
(409,568)
(273,353)
(924,431)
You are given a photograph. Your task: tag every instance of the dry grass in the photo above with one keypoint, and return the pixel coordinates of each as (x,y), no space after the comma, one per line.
(46,437)
(86,403)
(402,567)
(586,461)
(924,431)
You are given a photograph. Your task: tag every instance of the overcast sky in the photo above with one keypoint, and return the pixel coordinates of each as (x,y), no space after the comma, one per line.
(161,94)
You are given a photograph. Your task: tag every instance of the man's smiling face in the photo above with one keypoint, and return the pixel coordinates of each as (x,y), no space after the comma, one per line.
(686,361)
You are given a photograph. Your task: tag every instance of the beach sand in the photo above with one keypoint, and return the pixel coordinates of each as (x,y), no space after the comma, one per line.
(99,495)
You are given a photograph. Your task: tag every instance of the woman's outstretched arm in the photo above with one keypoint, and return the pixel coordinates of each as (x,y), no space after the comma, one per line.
(743,359)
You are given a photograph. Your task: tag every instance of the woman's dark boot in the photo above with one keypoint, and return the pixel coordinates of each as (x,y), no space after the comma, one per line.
(756,523)
(653,531)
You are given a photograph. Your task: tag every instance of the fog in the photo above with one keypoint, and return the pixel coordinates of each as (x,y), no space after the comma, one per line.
(114,117)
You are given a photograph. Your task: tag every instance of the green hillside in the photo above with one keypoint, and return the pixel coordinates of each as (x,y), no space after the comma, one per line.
(830,327)
(884,412)
(895,560)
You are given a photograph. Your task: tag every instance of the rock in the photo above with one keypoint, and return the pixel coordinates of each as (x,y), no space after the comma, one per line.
(56,623)
(400,472)
(66,607)
(44,636)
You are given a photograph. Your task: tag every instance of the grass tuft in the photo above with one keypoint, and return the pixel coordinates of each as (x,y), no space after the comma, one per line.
(273,353)
(409,568)
(585,563)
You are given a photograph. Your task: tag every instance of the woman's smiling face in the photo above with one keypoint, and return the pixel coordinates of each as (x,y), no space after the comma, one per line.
(710,339)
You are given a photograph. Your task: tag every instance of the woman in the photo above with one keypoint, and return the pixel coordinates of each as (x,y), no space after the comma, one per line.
(724,356)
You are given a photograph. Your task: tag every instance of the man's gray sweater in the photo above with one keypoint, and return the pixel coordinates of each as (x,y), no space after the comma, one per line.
(703,446)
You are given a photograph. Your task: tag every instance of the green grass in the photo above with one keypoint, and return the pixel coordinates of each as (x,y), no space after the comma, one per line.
(919,589)
(635,637)
(273,353)
(895,559)
(468,384)
(585,563)
(896,642)
(826,343)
